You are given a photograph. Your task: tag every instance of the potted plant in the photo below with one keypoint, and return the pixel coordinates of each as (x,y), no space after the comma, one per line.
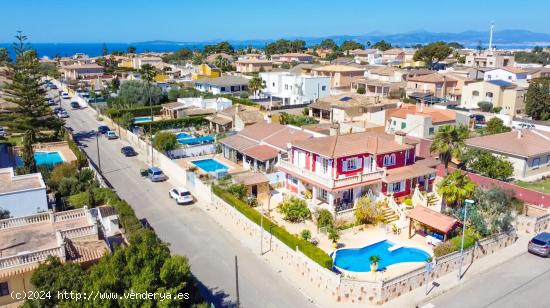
(394,229)
(333,235)
(374,263)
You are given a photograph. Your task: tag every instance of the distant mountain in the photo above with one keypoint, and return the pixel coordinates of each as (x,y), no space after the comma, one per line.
(502,39)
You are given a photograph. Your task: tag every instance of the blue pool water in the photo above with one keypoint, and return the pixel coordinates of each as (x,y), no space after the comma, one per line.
(186,139)
(143,119)
(210,165)
(357,260)
(43,158)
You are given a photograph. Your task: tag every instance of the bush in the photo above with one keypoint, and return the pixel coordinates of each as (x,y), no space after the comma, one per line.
(497,109)
(114,113)
(361,90)
(173,123)
(296,120)
(101,196)
(368,211)
(165,141)
(238,190)
(81,158)
(485,106)
(238,100)
(294,210)
(308,249)
(244,95)
(470,238)
(444,249)
(305,235)
(324,219)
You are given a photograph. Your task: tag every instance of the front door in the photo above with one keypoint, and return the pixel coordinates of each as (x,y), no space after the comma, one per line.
(255,190)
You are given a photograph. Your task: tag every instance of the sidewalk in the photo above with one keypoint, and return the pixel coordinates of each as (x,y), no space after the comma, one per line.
(449,281)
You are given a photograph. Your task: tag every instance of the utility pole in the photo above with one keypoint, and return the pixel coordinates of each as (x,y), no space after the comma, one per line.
(237,282)
(466,203)
(98,156)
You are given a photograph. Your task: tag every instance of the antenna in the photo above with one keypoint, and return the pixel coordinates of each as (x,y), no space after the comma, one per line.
(491,36)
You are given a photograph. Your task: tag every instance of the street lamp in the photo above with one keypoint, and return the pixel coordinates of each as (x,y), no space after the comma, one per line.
(466,203)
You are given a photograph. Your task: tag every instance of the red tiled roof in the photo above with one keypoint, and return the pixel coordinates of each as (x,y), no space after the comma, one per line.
(261,152)
(433,219)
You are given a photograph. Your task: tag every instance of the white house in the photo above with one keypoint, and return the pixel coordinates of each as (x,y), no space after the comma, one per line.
(140,61)
(510,74)
(370,56)
(295,89)
(219,103)
(222,85)
(22,195)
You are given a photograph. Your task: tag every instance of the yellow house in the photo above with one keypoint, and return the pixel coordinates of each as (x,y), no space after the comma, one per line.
(126,63)
(207,71)
(509,96)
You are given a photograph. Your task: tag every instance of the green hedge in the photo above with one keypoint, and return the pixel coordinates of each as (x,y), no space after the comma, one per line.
(126,214)
(81,159)
(292,241)
(173,123)
(238,100)
(136,112)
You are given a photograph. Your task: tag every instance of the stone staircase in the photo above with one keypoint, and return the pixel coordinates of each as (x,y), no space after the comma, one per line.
(390,215)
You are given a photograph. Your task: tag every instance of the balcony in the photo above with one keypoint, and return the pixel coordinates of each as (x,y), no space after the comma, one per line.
(327,182)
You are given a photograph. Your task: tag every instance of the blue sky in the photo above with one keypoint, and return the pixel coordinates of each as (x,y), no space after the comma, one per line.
(200,20)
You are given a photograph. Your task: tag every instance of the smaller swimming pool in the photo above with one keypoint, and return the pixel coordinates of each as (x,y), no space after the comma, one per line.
(43,158)
(182,136)
(357,260)
(196,140)
(210,165)
(143,119)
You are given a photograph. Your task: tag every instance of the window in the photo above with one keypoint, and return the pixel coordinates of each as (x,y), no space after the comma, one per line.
(488,77)
(323,88)
(394,123)
(222,89)
(536,163)
(293,180)
(325,163)
(322,194)
(286,87)
(475,93)
(396,187)
(431,131)
(403,125)
(273,84)
(351,164)
(389,160)
(4,289)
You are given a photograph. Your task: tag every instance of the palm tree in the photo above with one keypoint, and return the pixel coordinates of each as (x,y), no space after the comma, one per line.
(222,63)
(449,142)
(256,85)
(148,73)
(455,188)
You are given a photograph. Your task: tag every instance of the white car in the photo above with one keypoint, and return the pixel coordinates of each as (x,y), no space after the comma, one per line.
(65,95)
(523,126)
(181,195)
(111,135)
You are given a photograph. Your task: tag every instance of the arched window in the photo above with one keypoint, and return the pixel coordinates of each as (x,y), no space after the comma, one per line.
(489,94)
(475,93)
(392,159)
(386,160)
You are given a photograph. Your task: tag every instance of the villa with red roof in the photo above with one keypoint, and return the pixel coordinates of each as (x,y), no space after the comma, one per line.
(337,170)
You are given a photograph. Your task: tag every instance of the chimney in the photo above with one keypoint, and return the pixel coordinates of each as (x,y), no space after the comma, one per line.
(334,129)
(400,137)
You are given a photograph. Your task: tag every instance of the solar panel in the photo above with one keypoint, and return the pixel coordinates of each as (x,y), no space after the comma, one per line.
(345,99)
(500,83)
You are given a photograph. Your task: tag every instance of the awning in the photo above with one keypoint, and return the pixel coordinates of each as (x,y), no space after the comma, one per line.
(261,152)
(433,219)
(407,172)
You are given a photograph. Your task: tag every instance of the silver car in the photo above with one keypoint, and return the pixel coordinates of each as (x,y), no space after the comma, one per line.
(540,244)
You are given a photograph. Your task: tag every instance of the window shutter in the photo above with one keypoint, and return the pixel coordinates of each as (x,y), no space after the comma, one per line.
(345,165)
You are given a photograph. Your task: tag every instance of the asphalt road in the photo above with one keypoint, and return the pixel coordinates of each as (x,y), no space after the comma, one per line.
(189,231)
(522,282)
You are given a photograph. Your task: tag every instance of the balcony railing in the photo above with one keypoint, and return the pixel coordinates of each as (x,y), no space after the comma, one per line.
(32,257)
(330,182)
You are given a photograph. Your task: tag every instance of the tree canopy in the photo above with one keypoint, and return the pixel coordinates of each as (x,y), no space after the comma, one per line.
(351,45)
(220,47)
(487,164)
(448,142)
(382,45)
(134,93)
(455,188)
(433,53)
(537,99)
(284,46)
(495,126)
(328,44)
(179,55)
(165,141)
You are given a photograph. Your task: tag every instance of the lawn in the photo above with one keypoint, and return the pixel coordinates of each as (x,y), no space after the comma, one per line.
(542,185)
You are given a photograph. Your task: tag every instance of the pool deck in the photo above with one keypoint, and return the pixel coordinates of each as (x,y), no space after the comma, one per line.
(187,162)
(61,147)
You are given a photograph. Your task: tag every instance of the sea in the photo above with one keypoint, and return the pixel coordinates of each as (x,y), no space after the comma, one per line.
(52,50)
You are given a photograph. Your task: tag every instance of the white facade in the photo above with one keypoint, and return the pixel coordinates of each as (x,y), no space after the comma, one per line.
(421,126)
(140,61)
(217,104)
(295,89)
(502,74)
(28,195)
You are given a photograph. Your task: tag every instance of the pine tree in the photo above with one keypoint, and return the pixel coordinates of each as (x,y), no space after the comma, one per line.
(537,99)
(31,114)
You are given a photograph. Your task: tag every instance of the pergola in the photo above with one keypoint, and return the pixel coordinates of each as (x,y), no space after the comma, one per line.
(432,219)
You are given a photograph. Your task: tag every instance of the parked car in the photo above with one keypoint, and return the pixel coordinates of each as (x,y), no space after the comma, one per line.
(3,132)
(103,129)
(111,135)
(51,102)
(62,114)
(478,118)
(540,244)
(58,109)
(181,195)
(156,175)
(65,95)
(128,151)
(523,126)
(75,105)
(53,87)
